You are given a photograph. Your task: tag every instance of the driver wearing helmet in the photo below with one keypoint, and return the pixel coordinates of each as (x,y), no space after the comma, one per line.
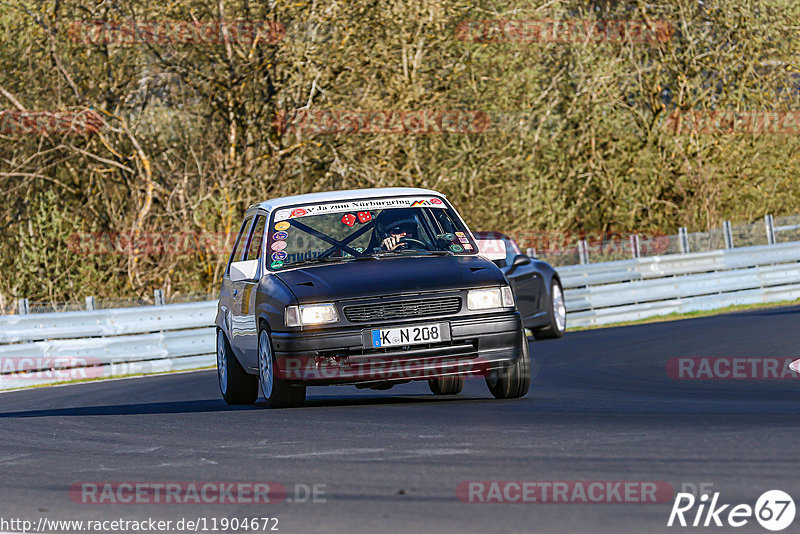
(392,226)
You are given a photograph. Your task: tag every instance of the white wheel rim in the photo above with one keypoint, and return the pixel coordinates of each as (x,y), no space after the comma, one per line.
(222,363)
(559,308)
(265,364)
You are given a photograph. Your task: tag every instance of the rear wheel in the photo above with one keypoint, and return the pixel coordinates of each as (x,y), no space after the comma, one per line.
(446,385)
(557,323)
(236,385)
(513,381)
(278,393)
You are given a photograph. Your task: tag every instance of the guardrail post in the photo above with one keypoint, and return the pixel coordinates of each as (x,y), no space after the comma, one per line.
(90,304)
(635,248)
(728,233)
(770,229)
(159,297)
(22,307)
(683,239)
(583,252)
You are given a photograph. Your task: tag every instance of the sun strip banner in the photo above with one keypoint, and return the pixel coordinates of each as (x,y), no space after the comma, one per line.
(359,205)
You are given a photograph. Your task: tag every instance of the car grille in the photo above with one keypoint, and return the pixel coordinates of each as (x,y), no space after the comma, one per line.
(401,310)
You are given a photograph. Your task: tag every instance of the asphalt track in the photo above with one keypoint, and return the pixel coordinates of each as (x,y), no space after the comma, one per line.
(603,408)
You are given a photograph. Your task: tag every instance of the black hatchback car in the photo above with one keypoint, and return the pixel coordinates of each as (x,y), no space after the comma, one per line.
(536,284)
(368,287)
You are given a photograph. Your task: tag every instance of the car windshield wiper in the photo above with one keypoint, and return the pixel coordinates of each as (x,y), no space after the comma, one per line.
(311,261)
(439,252)
(386,253)
(373,256)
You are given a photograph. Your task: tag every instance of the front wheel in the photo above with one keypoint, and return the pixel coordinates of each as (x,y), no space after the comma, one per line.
(513,381)
(557,314)
(236,385)
(278,393)
(446,385)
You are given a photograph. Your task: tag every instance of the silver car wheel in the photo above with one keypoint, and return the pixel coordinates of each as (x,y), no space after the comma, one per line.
(222,362)
(265,370)
(559,308)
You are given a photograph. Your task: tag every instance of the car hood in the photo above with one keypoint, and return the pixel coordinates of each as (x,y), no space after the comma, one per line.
(386,276)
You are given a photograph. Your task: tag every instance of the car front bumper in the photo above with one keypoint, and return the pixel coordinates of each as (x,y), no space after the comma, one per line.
(477,345)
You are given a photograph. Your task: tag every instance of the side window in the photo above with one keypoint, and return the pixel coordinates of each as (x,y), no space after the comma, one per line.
(256,239)
(443,221)
(236,255)
(448,223)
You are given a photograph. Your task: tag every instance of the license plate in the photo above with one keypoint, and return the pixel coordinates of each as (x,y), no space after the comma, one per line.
(407,335)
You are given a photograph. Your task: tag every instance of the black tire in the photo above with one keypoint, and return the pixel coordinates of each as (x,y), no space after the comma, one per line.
(236,386)
(277,392)
(446,385)
(554,328)
(513,381)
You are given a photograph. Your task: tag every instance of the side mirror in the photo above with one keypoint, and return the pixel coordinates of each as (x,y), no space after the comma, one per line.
(521,259)
(244,270)
(492,249)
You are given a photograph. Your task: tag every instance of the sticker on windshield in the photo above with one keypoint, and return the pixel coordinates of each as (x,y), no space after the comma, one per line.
(463,239)
(357,206)
(278,256)
(278,245)
(456,248)
(283,225)
(433,203)
(348,219)
(280,236)
(461,234)
(276,264)
(467,246)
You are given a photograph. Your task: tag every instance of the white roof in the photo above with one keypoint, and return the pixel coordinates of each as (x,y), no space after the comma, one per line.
(334,196)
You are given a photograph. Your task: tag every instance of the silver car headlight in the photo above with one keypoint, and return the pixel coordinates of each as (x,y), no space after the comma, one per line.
(490,298)
(311,314)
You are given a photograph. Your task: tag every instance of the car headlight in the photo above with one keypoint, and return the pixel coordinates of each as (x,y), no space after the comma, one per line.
(309,314)
(486,299)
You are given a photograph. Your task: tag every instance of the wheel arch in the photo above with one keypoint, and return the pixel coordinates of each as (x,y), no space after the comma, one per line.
(557,279)
(263,324)
(549,274)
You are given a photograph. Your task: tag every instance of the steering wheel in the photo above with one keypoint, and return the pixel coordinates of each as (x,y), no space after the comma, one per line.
(411,240)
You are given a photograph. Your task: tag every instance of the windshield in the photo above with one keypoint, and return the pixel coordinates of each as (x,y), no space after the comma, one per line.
(365,229)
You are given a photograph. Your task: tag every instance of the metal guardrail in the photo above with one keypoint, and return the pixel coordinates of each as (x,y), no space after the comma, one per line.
(612,292)
(634,312)
(52,347)
(573,276)
(114,349)
(118,342)
(626,293)
(111,322)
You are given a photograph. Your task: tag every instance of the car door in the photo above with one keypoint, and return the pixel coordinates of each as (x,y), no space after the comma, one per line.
(230,290)
(243,323)
(527,284)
